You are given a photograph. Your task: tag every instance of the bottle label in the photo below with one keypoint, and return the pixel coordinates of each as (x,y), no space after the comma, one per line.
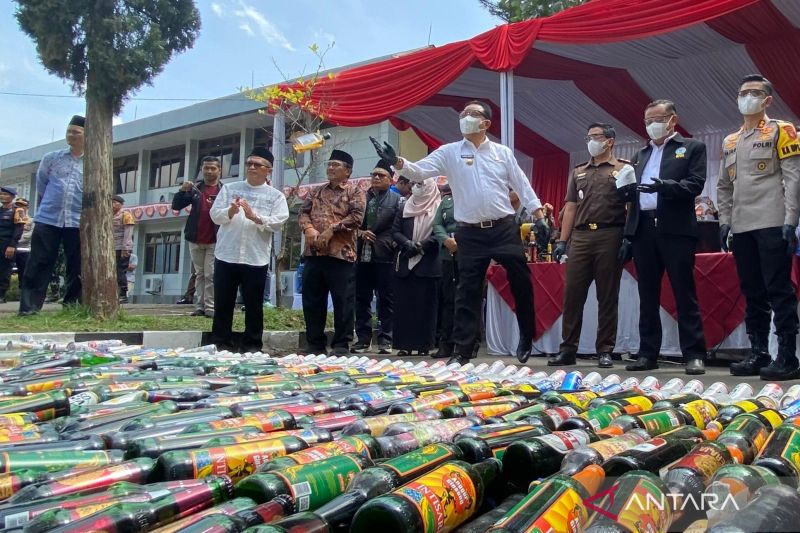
(329,449)
(563,441)
(649,446)
(791,450)
(444,498)
(13,419)
(751,427)
(559,414)
(266,422)
(439,430)
(419,461)
(53,461)
(549,507)
(16,436)
(9,485)
(659,422)
(236,461)
(503,432)
(46,414)
(773,417)
(377,424)
(643,403)
(702,411)
(315,484)
(486,411)
(747,406)
(610,447)
(601,417)
(641,511)
(705,459)
(527,411)
(581,399)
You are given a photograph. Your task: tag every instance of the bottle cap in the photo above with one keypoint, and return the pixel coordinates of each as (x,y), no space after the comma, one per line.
(736,454)
(610,431)
(591,478)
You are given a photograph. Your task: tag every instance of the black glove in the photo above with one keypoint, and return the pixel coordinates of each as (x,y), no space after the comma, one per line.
(561,249)
(385,152)
(724,231)
(790,236)
(521,216)
(409,249)
(625,251)
(648,188)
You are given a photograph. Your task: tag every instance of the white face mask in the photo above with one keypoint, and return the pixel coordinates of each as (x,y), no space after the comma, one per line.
(469,124)
(596,147)
(417,191)
(658,130)
(750,105)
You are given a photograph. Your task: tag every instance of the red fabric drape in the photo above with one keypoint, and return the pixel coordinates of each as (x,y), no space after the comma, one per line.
(550,179)
(770,39)
(431,142)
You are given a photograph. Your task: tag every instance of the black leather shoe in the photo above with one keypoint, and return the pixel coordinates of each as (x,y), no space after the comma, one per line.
(642,363)
(185,301)
(695,367)
(458,358)
(445,351)
(524,349)
(562,359)
(605,361)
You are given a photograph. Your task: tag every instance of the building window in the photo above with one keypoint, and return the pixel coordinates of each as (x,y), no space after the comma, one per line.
(166,167)
(125,170)
(224,148)
(162,252)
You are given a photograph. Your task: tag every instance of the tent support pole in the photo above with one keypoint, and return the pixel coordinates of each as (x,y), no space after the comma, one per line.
(507,108)
(278,166)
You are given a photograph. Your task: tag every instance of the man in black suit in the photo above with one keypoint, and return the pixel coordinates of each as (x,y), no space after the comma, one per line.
(661,234)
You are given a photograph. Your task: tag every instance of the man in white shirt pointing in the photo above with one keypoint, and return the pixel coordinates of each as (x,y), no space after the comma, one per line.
(480,173)
(248,212)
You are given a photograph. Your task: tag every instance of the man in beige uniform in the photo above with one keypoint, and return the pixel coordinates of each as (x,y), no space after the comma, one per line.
(594,217)
(759,203)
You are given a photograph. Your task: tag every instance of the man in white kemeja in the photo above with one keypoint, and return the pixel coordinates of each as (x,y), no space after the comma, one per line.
(248,212)
(480,173)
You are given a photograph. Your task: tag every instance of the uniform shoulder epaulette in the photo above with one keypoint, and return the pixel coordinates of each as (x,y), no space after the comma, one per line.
(582,164)
(623,161)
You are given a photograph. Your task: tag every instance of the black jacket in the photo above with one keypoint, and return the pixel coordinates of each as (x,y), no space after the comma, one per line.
(430,266)
(383,247)
(182,199)
(683,171)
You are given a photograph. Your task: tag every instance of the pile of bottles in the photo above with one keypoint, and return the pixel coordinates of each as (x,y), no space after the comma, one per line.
(106,437)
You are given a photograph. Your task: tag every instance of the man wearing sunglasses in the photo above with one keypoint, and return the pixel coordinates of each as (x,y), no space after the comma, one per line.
(758,195)
(661,233)
(248,213)
(374,266)
(481,173)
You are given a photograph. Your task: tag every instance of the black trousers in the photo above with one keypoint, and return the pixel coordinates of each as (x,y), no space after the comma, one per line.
(765,276)
(6,266)
(21,259)
(447,300)
(228,278)
(374,278)
(476,248)
(653,253)
(45,241)
(122,272)
(323,275)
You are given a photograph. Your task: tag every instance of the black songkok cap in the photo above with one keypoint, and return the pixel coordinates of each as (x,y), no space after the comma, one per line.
(385,166)
(341,155)
(264,153)
(77,120)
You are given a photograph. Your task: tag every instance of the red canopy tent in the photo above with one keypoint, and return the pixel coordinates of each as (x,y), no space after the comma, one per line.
(602,61)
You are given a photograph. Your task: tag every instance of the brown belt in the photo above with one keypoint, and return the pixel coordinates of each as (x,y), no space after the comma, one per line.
(486,223)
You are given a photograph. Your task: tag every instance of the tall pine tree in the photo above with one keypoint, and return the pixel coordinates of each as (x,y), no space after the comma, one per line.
(106,49)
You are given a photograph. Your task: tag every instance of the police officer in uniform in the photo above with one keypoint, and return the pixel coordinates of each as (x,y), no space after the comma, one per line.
(759,203)
(594,218)
(11,226)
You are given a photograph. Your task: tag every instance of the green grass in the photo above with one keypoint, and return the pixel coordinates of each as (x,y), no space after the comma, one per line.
(79,319)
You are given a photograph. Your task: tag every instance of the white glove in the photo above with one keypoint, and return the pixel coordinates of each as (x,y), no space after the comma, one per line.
(624,176)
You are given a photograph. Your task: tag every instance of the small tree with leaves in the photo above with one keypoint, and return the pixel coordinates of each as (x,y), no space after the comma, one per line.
(519,10)
(106,49)
(292,100)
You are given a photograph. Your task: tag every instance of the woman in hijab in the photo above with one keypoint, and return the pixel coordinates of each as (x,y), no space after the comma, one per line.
(417,271)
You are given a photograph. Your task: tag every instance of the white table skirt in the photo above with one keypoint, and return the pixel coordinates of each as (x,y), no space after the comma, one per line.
(502,333)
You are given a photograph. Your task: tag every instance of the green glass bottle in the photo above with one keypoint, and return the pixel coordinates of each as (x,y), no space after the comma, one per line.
(600,451)
(733,485)
(382,479)
(155,446)
(541,456)
(237,460)
(781,454)
(440,500)
(310,485)
(52,461)
(266,422)
(483,522)
(651,456)
(46,405)
(637,500)
(477,449)
(555,504)
(376,425)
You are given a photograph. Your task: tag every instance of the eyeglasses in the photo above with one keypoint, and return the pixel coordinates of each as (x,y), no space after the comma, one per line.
(758,93)
(595,137)
(379,175)
(335,164)
(253,164)
(661,119)
(470,113)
